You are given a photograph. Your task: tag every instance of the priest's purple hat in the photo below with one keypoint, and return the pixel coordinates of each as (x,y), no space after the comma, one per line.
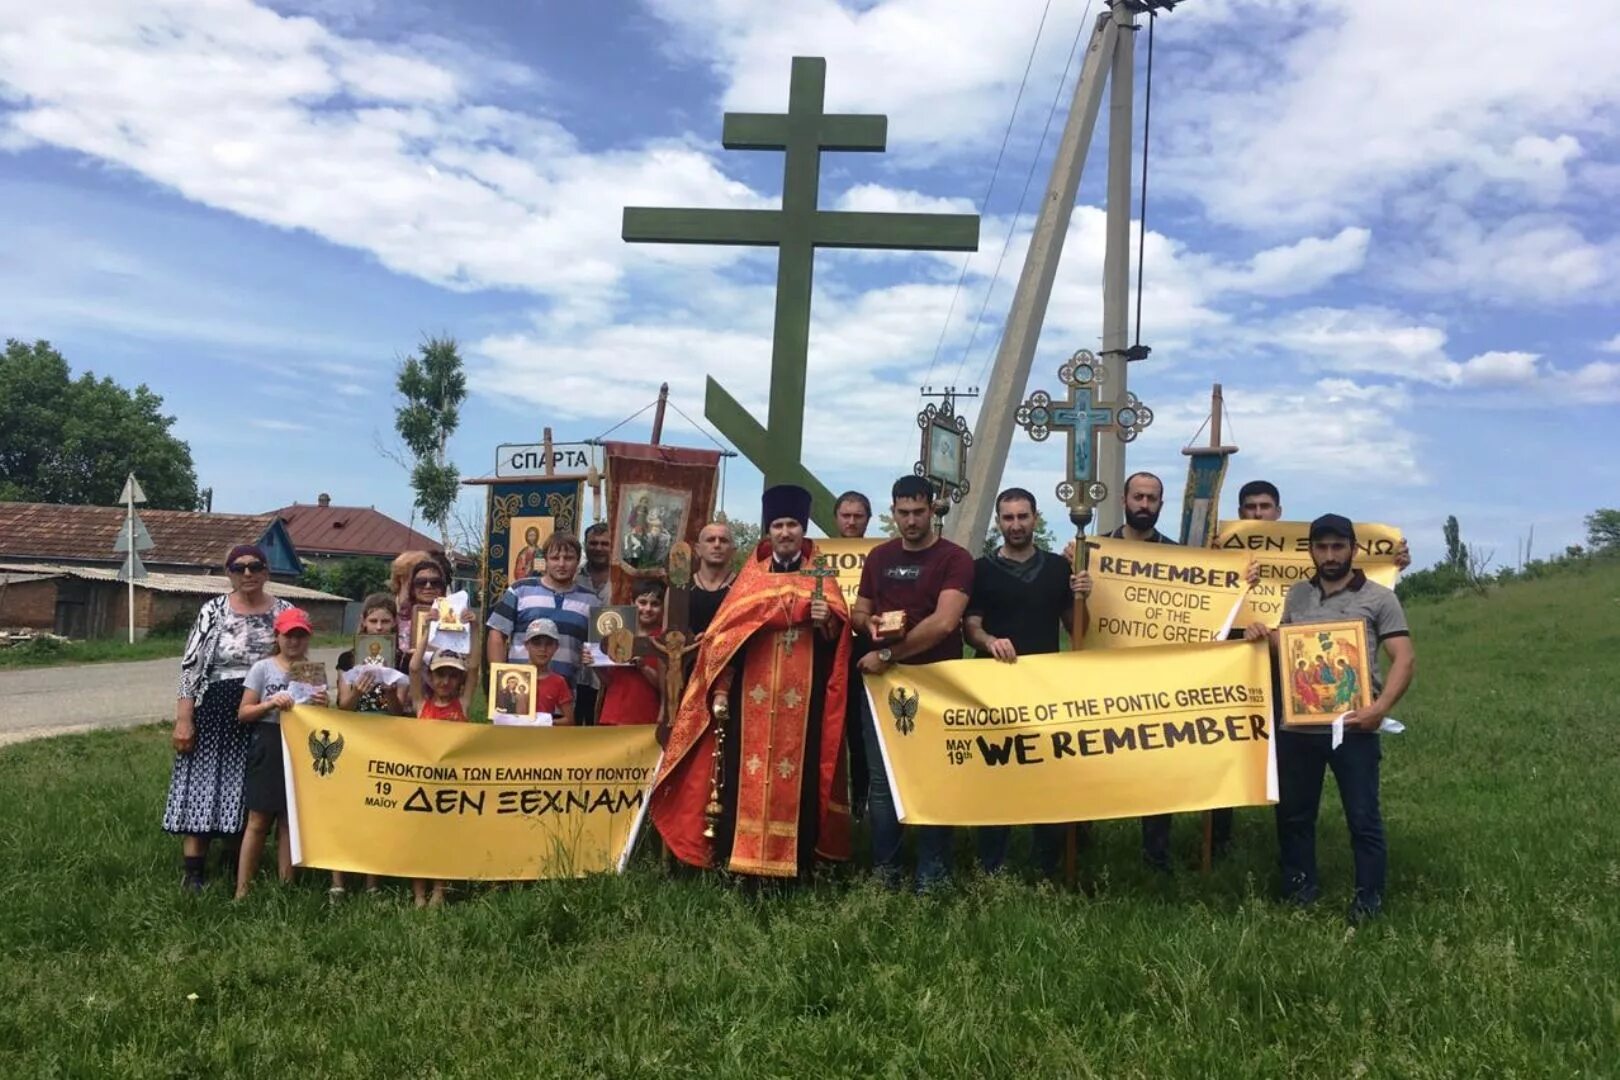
(785,501)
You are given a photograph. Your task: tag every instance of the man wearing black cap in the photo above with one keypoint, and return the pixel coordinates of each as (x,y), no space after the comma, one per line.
(752,778)
(1337,593)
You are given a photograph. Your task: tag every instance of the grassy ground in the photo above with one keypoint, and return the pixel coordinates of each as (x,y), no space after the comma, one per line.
(48,653)
(1497,955)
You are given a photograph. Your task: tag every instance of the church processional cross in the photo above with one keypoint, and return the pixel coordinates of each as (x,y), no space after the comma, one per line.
(796,230)
(1086,420)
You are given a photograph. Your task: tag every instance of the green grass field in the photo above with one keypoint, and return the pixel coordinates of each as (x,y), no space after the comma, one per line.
(45,653)
(1499,953)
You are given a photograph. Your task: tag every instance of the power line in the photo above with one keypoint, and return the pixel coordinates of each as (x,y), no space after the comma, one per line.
(995,171)
(1012,226)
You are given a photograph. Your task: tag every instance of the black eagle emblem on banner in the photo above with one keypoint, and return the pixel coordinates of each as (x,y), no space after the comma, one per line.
(324,751)
(904,709)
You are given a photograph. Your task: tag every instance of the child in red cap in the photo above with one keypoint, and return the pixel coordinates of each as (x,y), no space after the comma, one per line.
(265,693)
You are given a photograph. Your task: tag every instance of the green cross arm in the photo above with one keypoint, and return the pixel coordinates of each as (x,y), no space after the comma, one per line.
(838,131)
(830,228)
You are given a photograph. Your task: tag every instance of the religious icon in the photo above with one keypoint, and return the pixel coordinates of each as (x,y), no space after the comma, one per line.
(612,634)
(1325,670)
(447,616)
(309,672)
(419,625)
(680,565)
(526,559)
(654,518)
(377,650)
(945,454)
(514,689)
(889,625)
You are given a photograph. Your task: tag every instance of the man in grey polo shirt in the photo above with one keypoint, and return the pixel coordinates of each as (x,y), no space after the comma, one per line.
(1338,593)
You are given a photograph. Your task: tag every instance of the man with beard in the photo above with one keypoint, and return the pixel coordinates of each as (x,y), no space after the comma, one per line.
(853,512)
(929,579)
(598,577)
(752,779)
(1144,498)
(1336,593)
(1021,595)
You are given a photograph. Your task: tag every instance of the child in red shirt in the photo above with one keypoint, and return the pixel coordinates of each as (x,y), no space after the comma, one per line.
(630,695)
(552,694)
(447,683)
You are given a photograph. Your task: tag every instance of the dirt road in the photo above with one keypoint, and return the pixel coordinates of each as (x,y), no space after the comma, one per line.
(38,702)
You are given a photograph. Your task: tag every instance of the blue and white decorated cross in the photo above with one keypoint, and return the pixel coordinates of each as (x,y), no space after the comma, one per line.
(1085,419)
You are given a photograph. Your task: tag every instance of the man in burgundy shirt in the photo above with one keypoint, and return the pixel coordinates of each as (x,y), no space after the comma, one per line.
(929,578)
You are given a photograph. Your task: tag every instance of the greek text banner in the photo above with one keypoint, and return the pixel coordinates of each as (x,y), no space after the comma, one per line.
(1160,594)
(1283,550)
(1078,736)
(412,798)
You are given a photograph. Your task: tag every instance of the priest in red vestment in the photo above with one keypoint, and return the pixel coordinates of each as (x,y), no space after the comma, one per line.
(769,686)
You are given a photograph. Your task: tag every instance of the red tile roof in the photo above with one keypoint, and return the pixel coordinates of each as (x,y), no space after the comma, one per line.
(52,532)
(349,530)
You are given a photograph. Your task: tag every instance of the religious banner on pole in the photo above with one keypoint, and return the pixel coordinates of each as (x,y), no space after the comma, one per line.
(519,516)
(1283,550)
(1161,594)
(659,499)
(847,555)
(461,802)
(1078,736)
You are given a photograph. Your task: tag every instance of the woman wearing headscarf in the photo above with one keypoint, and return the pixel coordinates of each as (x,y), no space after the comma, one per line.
(231,634)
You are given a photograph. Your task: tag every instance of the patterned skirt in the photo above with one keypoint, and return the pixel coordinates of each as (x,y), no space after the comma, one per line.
(205,788)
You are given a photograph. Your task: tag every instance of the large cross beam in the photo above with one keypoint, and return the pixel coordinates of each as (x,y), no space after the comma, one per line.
(796,230)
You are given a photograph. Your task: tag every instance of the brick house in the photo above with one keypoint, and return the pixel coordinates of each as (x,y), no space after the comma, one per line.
(58,570)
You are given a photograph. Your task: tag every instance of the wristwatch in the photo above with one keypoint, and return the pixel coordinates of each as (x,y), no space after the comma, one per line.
(886,656)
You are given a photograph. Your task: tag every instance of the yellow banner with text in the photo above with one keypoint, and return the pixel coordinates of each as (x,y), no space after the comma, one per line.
(1160,594)
(1283,550)
(1078,736)
(848,557)
(426,799)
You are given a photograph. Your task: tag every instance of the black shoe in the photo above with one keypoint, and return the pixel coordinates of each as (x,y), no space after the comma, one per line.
(192,884)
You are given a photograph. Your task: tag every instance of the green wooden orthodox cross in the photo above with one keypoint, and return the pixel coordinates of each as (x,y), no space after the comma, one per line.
(796,230)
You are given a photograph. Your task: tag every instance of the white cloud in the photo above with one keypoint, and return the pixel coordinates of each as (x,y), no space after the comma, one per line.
(1300,267)
(369,146)
(1528,260)
(1343,104)
(1611,346)
(944,72)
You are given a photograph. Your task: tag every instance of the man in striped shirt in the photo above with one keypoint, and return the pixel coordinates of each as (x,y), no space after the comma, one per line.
(556,595)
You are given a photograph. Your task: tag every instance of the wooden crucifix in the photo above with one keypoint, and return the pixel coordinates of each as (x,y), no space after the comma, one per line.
(796,230)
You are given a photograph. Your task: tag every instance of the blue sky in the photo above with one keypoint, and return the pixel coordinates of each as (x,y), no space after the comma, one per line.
(1388,229)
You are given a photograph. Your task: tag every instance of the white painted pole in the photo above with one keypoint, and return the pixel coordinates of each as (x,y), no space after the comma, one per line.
(1117,261)
(992,433)
(129,559)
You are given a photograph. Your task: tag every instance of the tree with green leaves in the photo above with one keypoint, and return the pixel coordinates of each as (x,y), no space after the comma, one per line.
(1603,532)
(355,578)
(434,385)
(1456,550)
(67,440)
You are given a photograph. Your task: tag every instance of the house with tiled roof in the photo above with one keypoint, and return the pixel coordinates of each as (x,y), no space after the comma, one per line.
(59,572)
(183,541)
(322,531)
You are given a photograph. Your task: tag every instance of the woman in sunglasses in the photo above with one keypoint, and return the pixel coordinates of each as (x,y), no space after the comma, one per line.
(232,633)
(427,581)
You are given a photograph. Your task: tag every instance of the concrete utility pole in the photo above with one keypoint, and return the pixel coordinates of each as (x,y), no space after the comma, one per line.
(1109,56)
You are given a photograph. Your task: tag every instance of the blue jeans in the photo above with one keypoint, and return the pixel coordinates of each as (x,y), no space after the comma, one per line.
(1302,760)
(993,841)
(933,841)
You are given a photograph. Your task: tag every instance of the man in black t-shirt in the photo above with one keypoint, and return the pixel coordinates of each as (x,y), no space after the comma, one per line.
(1021,595)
